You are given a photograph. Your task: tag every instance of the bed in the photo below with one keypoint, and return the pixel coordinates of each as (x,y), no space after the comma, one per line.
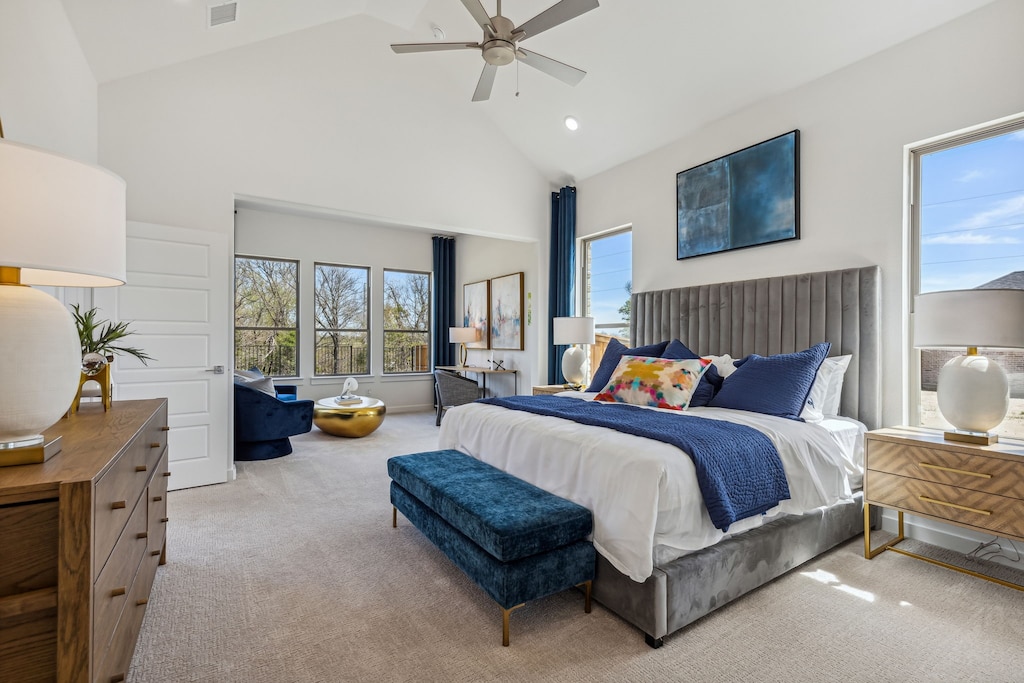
(654,571)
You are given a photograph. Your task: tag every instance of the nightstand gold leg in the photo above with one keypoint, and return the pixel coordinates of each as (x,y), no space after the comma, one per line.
(869,553)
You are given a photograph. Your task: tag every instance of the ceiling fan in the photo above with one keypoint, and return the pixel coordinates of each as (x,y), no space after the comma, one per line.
(500,44)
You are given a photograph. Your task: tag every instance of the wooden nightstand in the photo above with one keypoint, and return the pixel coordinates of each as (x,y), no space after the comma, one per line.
(549,389)
(913,469)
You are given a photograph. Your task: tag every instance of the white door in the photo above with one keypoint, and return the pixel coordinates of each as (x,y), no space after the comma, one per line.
(177,302)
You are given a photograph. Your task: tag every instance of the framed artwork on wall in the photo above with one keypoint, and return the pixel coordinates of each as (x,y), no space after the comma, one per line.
(507,312)
(744,199)
(476,304)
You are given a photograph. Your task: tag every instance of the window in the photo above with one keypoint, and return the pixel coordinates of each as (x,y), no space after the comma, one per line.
(266,301)
(968,215)
(606,277)
(341,303)
(406,321)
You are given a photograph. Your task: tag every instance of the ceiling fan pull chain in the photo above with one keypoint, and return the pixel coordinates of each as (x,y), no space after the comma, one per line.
(517,77)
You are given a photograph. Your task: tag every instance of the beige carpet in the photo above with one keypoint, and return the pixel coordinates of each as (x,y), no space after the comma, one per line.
(293,573)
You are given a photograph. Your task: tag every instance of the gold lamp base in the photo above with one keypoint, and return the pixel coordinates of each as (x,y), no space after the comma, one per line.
(30,455)
(981,438)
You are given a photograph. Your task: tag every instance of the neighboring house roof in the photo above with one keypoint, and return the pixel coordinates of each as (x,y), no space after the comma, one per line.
(1014,280)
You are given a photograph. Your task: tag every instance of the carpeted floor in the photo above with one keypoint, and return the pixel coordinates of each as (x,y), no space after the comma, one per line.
(293,573)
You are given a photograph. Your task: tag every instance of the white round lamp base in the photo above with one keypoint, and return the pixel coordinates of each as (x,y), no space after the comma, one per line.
(40,358)
(574,365)
(973,393)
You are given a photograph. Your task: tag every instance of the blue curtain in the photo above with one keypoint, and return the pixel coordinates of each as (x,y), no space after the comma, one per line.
(444,299)
(563,265)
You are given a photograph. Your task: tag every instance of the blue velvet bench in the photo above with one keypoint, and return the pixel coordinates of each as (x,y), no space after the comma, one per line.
(514,540)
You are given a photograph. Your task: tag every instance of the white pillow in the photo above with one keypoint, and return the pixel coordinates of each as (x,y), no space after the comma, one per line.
(827,390)
(264,384)
(723,364)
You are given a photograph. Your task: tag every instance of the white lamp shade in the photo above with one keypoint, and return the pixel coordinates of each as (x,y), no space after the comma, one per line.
(462,335)
(63,224)
(63,220)
(991,318)
(573,331)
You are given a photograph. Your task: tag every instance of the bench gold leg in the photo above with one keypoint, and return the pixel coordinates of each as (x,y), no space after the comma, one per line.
(504,623)
(586,593)
(394,517)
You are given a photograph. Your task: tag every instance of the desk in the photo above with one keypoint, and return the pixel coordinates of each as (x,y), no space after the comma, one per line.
(483,372)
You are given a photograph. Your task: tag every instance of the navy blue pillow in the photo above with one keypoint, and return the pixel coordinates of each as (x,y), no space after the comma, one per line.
(710,381)
(773,385)
(613,352)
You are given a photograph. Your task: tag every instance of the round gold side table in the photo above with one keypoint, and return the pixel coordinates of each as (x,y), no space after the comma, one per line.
(355,420)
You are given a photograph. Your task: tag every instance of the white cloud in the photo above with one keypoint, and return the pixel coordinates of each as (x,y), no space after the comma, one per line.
(1006,211)
(969,176)
(969,238)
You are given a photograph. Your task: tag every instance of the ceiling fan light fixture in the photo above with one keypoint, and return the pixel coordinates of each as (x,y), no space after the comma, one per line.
(499,52)
(572,123)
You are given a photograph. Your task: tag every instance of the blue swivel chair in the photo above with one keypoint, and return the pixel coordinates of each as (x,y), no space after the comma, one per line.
(263,422)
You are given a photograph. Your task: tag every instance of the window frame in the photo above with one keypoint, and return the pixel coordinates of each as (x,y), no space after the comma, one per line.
(429,325)
(584,278)
(296,329)
(368,289)
(915,153)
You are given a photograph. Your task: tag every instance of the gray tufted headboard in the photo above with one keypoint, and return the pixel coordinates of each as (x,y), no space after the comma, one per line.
(778,315)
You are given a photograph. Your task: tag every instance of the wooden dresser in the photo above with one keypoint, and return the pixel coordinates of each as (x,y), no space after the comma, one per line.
(81,536)
(915,470)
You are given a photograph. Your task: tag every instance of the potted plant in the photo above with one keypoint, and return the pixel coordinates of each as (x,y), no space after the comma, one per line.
(99,339)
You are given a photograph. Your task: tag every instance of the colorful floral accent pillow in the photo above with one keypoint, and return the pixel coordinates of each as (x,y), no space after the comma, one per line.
(658,382)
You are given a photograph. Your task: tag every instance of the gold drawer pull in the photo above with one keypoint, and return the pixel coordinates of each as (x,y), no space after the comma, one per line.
(119,505)
(118,591)
(140,468)
(142,534)
(954,505)
(117,678)
(982,475)
(165,428)
(154,553)
(157,499)
(155,444)
(141,602)
(163,520)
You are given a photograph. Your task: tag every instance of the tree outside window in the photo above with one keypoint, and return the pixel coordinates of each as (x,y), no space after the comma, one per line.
(406,321)
(266,301)
(341,302)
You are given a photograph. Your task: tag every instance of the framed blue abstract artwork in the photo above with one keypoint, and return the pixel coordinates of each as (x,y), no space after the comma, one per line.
(743,199)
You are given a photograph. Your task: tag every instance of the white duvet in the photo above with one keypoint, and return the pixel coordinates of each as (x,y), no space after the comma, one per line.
(643,494)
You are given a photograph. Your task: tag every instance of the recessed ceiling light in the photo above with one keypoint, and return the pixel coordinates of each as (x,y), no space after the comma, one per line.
(571,123)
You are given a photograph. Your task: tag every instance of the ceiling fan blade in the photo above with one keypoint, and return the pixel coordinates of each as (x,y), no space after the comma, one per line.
(432,47)
(486,82)
(558,13)
(552,67)
(479,15)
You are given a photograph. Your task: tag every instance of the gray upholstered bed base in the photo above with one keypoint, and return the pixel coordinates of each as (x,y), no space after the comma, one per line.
(766,316)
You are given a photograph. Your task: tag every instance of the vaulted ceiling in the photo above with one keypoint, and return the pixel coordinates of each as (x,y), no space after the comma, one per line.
(656,69)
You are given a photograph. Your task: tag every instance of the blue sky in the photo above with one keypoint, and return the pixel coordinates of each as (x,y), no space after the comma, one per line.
(610,269)
(972,213)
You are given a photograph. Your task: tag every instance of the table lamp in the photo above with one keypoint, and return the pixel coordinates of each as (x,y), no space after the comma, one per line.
(574,331)
(462,336)
(973,391)
(63,225)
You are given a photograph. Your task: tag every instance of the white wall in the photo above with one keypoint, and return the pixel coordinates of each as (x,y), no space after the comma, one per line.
(479,258)
(853,126)
(315,118)
(48,95)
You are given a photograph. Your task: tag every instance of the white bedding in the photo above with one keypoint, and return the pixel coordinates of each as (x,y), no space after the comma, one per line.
(644,495)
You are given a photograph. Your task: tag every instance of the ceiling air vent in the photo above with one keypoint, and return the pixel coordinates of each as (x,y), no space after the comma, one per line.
(225,13)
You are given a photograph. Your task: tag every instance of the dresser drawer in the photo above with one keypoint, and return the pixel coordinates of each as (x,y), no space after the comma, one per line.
(116,579)
(112,664)
(115,496)
(1004,477)
(983,511)
(28,547)
(28,648)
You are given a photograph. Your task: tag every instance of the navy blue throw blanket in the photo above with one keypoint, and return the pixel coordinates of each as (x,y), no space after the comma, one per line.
(738,468)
